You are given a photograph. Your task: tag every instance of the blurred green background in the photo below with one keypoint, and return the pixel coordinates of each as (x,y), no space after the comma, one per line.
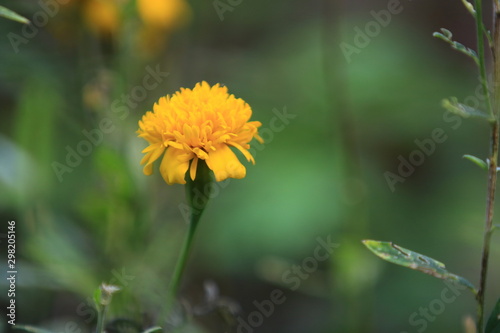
(321,175)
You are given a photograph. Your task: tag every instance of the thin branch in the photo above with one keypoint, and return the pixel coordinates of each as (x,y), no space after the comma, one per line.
(493,160)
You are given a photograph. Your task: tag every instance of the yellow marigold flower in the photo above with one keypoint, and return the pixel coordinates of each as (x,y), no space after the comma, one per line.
(202,123)
(102,16)
(160,18)
(164,14)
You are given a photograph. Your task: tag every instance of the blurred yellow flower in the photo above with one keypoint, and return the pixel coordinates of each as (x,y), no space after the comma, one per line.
(102,16)
(202,123)
(163,14)
(160,18)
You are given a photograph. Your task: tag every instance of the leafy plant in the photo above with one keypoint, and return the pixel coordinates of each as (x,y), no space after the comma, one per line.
(407,258)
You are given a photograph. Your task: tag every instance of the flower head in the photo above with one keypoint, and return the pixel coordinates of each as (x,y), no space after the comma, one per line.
(163,14)
(102,16)
(160,18)
(199,123)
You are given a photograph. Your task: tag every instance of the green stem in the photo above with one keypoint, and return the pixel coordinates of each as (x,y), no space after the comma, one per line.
(181,262)
(345,140)
(100,318)
(197,198)
(493,159)
(480,52)
(492,180)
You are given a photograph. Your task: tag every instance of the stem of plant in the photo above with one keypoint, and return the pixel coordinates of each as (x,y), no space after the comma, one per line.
(181,263)
(480,52)
(492,181)
(100,318)
(197,199)
(493,159)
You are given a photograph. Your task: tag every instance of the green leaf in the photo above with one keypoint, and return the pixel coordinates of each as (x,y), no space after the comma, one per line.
(407,258)
(31,329)
(447,36)
(469,7)
(9,14)
(493,324)
(37,93)
(479,162)
(460,47)
(153,329)
(463,110)
(97,298)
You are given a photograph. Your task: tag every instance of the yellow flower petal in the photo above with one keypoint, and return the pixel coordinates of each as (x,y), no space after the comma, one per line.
(148,169)
(151,148)
(192,169)
(245,152)
(174,166)
(150,158)
(225,164)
